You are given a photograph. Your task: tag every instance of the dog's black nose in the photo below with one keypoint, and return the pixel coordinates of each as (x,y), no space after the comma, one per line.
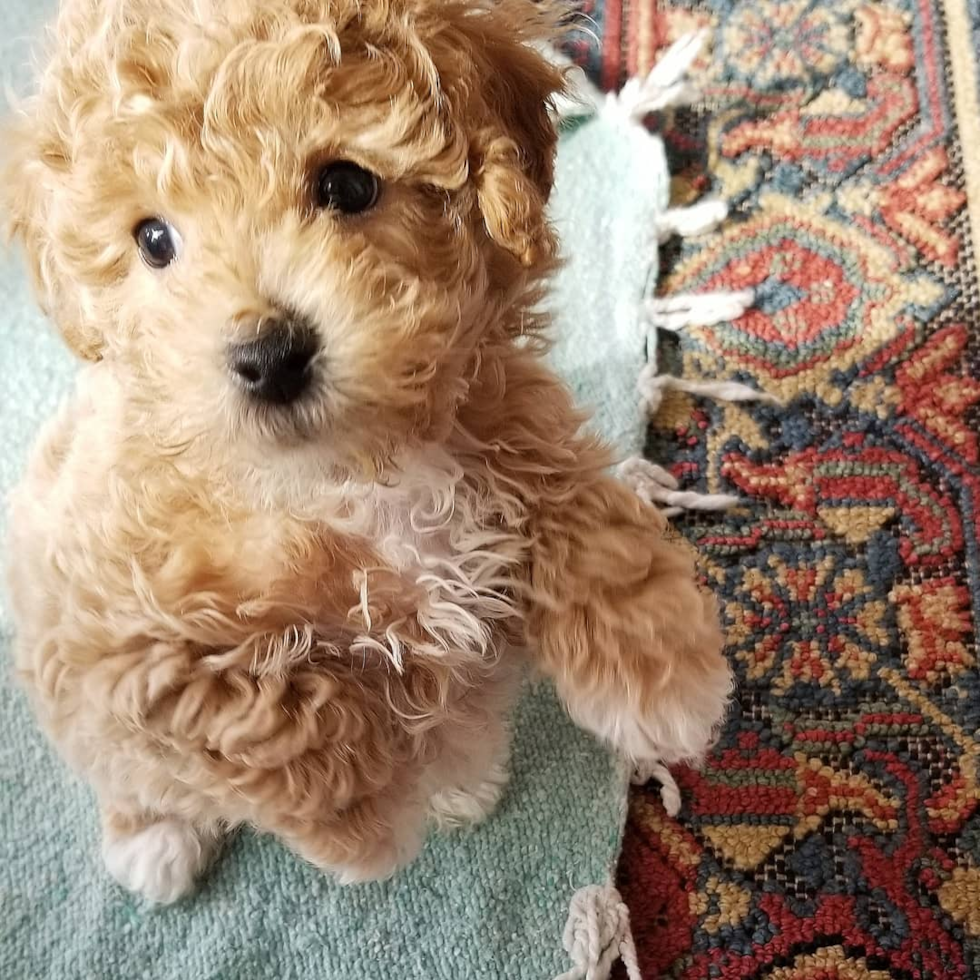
(276,367)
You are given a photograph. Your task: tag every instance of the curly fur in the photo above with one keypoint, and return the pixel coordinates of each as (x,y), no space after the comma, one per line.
(310,619)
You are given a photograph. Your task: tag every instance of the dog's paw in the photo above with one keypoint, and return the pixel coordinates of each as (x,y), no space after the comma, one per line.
(161,861)
(383,860)
(678,728)
(458,806)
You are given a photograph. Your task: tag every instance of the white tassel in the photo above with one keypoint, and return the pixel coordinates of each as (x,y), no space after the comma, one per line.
(647,481)
(702,309)
(597,934)
(654,484)
(697,219)
(677,60)
(637,99)
(670,793)
(666,85)
(652,387)
(638,469)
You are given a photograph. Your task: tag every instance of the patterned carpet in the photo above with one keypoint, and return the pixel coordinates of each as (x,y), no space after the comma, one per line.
(835,831)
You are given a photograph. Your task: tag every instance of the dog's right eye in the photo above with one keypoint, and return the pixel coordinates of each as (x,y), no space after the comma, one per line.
(345,187)
(157,241)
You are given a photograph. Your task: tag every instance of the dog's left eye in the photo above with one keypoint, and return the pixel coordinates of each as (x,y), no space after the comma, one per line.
(157,241)
(345,187)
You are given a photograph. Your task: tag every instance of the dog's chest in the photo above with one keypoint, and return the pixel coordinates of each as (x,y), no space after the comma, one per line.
(441,539)
(430,522)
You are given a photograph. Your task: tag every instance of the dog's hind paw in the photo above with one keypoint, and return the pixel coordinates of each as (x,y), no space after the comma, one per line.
(161,861)
(457,806)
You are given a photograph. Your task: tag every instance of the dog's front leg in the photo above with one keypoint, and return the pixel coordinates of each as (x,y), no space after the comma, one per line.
(615,616)
(613,610)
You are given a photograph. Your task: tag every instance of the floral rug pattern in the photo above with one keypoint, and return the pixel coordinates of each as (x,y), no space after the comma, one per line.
(834,831)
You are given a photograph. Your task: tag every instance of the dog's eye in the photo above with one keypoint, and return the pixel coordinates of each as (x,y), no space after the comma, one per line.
(345,187)
(158,242)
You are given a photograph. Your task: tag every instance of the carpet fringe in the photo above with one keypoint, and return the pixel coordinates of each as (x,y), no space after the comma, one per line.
(666,86)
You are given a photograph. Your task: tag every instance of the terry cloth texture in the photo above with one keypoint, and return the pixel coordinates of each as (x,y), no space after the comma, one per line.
(835,830)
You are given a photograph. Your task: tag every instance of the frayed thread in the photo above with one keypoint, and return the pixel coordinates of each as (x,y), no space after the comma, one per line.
(597,935)
(580,98)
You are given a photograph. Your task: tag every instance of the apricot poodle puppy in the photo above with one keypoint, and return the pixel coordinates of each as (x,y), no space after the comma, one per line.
(316,498)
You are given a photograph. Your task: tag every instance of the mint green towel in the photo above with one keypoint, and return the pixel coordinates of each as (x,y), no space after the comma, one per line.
(490,903)
(611,185)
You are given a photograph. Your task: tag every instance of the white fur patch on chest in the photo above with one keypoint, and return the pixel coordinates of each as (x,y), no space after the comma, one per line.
(443,542)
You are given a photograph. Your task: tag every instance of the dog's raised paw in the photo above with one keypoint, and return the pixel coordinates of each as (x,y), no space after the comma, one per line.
(160,862)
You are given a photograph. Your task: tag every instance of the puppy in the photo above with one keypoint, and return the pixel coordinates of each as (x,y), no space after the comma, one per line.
(278,560)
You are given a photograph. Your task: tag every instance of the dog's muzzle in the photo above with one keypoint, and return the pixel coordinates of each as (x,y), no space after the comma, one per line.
(276,367)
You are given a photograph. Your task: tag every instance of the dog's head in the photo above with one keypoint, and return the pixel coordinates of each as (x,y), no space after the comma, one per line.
(288,221)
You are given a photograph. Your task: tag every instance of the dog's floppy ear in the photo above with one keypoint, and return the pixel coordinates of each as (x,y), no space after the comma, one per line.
(512,153)
(513,161)
(31,159)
